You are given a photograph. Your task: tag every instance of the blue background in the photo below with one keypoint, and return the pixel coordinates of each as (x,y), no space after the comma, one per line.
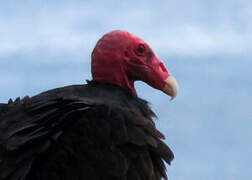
(206,45)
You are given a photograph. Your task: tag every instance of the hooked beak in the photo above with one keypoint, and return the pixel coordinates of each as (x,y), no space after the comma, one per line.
(171,87)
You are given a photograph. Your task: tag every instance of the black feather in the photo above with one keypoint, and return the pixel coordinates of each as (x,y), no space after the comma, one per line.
(94,131)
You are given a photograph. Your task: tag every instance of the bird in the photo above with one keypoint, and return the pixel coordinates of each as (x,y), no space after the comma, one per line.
(98,130)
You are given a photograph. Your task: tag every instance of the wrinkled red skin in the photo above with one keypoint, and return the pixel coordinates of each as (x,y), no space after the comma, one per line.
(116,59)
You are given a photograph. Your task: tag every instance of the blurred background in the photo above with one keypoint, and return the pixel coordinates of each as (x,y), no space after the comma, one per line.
(206,45)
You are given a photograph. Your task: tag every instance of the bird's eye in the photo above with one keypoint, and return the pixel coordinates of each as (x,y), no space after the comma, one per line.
(140,48)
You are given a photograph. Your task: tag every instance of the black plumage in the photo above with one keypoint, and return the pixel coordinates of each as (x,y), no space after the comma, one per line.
(97,131)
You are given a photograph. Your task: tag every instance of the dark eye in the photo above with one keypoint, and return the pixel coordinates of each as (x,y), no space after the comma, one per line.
(140,48)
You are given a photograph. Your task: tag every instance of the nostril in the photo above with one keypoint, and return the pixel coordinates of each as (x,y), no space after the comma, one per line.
(126,53)
(162,67)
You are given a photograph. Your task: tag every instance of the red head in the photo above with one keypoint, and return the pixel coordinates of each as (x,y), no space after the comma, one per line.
(121,57)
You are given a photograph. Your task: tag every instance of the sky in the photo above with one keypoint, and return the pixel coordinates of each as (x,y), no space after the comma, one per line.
(206,45)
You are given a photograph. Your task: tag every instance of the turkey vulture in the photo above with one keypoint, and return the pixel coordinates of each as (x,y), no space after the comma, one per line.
(95,131)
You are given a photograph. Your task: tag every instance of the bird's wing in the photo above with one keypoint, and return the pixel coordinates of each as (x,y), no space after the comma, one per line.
(28,129)
(75,138)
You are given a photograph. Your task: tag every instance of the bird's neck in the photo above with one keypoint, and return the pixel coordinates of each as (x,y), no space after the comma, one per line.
(116,76)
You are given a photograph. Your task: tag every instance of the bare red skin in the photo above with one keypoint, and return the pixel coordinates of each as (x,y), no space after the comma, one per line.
(116,59)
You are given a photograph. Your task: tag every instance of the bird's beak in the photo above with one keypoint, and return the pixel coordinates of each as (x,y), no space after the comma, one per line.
(171,87)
